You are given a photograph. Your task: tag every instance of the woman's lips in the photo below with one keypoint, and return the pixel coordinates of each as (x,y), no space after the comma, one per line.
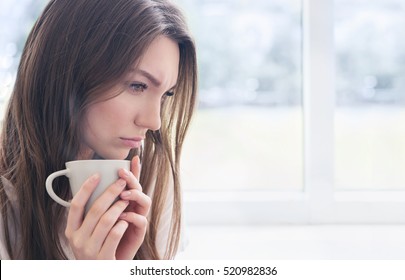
(134,142)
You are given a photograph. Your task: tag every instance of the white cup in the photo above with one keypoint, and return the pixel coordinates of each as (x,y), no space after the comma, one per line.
(79,171)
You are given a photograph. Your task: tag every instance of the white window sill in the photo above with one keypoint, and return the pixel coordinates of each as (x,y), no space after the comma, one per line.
(313,242)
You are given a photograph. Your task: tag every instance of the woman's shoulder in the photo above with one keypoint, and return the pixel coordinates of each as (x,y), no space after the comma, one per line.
(12,221)
(4,255)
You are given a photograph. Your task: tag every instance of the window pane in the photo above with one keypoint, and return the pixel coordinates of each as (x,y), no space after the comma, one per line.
(247,133)
(370,115)
(16,21)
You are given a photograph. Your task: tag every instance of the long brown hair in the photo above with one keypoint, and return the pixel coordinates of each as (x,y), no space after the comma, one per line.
(77,50)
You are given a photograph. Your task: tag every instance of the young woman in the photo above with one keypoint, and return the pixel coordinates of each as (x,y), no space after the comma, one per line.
(98,79)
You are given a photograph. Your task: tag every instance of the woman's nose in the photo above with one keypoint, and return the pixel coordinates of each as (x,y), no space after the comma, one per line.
(149,115)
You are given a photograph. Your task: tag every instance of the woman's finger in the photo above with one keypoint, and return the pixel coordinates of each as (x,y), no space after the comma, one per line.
(78,203)
(139,221)
(114,237)
(101,205)
(133,237)
(143,202)
(136,166)
(107,222)
(130,178)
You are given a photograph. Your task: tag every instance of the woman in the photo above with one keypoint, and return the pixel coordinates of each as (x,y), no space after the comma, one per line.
(96,79)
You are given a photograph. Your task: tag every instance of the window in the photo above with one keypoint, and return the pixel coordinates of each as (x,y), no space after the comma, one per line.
(247,133)
(16,21)
(370,95)
(349,147)
(301,111)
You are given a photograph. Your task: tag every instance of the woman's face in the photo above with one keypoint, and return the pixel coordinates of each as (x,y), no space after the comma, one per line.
(114,126)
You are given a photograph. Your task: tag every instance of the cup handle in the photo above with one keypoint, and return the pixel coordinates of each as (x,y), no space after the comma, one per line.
(49,187)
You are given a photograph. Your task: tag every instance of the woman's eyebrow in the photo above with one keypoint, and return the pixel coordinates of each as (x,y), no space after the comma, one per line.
(149,76)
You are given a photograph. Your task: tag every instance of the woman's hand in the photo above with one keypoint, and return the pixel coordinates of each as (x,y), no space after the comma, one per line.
(135,214)
(109,232)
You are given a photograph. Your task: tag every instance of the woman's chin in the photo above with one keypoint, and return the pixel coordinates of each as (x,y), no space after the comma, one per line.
(112,156)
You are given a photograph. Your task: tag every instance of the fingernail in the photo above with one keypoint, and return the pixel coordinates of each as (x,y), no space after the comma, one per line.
(126,172)
(95,177)
(123,215)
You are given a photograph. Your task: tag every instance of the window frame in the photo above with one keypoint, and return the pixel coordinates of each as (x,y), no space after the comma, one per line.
(319,202)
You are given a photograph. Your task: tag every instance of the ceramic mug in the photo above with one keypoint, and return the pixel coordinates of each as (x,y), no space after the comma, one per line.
(79,171)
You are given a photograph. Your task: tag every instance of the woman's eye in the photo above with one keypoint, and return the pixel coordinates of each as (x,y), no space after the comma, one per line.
(138,87)
(167,94)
